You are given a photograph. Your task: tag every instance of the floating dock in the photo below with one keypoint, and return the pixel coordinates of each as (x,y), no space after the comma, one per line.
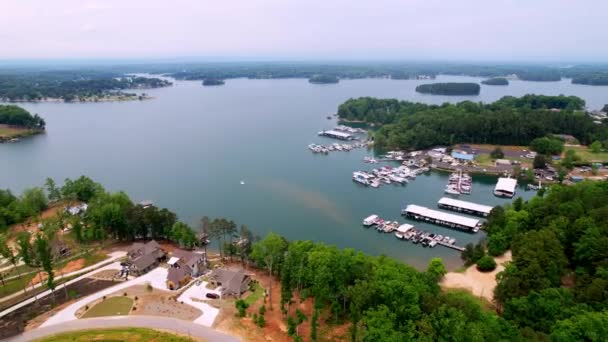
(505,187)
(438,217)
(337,135)
(464,206)
(458,248)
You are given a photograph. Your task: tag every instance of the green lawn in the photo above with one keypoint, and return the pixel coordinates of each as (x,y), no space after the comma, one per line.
(113,306)
(258,292)
(587,155)
(15,285)
(115,335)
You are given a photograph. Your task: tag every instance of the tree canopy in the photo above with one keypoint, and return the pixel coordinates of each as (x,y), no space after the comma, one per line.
(496,81)
(451,88)
(508,121)
(17,116)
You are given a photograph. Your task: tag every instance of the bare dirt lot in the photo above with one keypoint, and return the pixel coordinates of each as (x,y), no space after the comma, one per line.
(29,316)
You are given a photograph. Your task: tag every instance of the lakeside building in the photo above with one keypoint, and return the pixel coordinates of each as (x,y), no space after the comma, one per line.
(337,135)
(438,217)
(464,206)
(505,187)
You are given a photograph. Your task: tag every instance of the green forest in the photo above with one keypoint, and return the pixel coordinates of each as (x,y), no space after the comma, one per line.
(17,116)
(508,121)
(451,88)
(592,79)
(70,85)
(556,288)
(496,81)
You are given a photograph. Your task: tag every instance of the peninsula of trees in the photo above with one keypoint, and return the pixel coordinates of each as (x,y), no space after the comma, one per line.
(213,82)
(496,81)
(451,88)
(16,122)
(508,121)
(592,79)
(72,85)
(323,79)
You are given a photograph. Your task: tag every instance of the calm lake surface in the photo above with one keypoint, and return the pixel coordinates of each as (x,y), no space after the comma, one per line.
(190,147)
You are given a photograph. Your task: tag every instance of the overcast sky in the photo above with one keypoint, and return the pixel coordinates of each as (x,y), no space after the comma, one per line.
(505,30)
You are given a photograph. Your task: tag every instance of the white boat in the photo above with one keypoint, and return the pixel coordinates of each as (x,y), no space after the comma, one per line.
(433,243)
(452,191)
(374,184)
(370,220)
(403,231)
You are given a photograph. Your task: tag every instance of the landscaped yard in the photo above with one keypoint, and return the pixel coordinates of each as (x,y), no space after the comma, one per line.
(124,334)
(587,155)
(15,285)
(113,306)
(257,294)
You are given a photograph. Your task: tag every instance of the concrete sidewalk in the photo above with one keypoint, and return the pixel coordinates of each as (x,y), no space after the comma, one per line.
(93,268)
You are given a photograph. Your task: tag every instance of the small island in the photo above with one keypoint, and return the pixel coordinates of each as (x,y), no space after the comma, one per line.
(213,82)
(592,79)
(451,88)
(323,79)
(16,122)
(500,81)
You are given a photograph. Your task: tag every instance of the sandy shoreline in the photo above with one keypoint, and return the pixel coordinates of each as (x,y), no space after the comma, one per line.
(478,283)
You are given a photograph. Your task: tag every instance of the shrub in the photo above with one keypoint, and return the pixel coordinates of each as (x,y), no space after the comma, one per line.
(497,153)
(136,298)
(262,310)
(241,306)
(103,298)
(149,287)
(486,264)
(124,294)
(261,321)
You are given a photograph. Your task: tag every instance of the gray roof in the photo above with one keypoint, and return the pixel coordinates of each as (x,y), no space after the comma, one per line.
(176,275)
(139,249)
(190,258)
(145,261)
(233,281)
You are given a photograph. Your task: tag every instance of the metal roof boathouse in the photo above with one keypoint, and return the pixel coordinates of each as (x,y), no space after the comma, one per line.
(464,206)
(438,217)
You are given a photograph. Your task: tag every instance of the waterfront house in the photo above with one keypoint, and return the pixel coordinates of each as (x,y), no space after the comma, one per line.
(145,256)
(178,275)
(233,282)
(196,262)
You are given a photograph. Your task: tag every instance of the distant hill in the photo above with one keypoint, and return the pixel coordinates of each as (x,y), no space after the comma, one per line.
(452,88)
(213,82)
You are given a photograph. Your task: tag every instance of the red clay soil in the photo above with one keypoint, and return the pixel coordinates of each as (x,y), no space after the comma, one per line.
(276,326)
(71,266)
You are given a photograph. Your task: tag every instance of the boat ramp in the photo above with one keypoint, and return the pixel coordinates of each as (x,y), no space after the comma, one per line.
(438,217)
(464,206)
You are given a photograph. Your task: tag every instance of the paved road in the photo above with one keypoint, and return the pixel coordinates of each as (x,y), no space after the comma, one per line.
(156,278)
(113,257)
(152,322)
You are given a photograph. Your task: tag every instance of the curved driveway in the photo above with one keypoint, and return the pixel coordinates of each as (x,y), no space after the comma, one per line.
(152,322)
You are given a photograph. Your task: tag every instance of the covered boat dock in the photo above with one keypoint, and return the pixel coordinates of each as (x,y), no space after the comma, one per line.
(337,135)
(464,206)
(438,217)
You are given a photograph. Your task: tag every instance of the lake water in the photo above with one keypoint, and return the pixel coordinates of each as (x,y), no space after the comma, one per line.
(190,147)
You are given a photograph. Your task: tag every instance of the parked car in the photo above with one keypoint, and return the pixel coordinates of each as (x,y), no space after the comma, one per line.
(212,295)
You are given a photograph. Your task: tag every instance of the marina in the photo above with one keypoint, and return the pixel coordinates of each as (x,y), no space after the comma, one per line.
(438,217)
(325,149)
(464,206)
(400,175)
(408,232)
(459,183)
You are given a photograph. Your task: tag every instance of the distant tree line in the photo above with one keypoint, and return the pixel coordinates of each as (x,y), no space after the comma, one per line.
(451,88)
(496,81)
(213,82)
(70,85)
(324,79)
(17,116)
(509,121)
